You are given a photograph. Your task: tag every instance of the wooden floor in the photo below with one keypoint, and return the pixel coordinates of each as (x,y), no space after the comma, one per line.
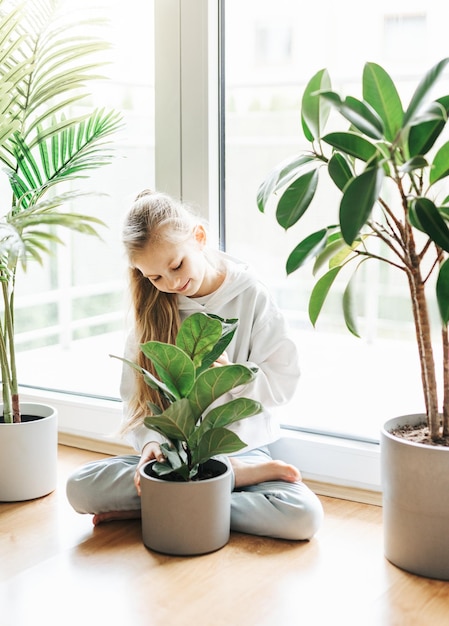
(56,569)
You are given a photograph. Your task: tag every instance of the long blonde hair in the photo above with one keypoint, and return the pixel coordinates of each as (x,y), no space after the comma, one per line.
(153,217)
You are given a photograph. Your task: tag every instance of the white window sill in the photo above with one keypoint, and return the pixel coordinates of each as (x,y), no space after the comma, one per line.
(332,466)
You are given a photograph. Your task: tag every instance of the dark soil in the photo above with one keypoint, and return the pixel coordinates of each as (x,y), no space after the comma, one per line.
(209,469)
(419,434)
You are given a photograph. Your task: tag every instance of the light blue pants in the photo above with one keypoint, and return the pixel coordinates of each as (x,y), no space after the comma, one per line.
(273,509)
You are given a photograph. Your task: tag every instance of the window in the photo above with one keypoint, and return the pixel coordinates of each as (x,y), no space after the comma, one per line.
(271,49)
(349,386)
(70,313)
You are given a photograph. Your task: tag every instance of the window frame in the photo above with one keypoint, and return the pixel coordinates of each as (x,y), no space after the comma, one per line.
(188,70)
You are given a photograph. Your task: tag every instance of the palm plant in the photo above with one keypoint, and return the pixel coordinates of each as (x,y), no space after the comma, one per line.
(389,164)
(44,69)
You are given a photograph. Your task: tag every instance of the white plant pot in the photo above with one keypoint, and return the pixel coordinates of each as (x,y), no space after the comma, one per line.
(415,485)
(186,518)
(28,454)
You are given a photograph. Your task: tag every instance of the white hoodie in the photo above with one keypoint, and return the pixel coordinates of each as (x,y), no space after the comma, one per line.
(261,340)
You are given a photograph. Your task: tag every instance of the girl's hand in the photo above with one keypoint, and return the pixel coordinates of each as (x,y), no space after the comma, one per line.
(151,451)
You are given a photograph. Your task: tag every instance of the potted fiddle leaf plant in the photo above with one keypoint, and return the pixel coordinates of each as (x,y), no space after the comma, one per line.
(186,500)
(47,141)
(390,164)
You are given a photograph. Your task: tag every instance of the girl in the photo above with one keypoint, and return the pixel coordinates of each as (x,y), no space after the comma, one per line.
(173,274)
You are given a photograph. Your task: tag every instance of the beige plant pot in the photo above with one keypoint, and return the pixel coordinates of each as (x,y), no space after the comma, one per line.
(415,484)
(186,518)
(28,454)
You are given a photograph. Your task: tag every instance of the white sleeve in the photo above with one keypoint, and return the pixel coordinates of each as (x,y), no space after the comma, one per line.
(275,354)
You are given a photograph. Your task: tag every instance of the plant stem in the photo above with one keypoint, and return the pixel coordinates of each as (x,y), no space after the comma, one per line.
(423,336)
(445,343)
(6,374)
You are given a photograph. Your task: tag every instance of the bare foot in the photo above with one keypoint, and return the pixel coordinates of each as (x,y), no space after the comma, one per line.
(112,516)
(247,474)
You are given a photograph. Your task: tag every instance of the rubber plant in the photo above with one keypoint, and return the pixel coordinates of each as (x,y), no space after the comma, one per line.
(390,165)
(45,66)
(189,384)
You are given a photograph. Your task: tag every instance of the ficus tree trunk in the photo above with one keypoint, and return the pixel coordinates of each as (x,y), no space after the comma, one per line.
(427,362)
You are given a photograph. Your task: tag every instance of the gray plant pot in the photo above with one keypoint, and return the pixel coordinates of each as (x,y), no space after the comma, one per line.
(415,484)
(186,518)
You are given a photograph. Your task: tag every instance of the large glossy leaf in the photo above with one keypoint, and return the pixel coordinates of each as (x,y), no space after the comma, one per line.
(422,91)
(353,144)
(233,411)
(442,290)
(296,199)
(358,201)
(217,441)
(423,135)
(306,249)
(361,115)
(216,381)
(282,175)
(340,170)
(197,336)
(334,246)
(226,414)
(380,92)
(320,292)
(314,110)
(228,328)
(176,422)
(440,164)
(431,222)
(173,366)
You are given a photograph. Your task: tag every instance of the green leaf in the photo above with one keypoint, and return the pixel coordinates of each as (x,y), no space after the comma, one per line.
(442,291)
(174,461)
(282,175)
(415,163)
(349,303)
(440,165)
(358,201)
(334,245)
(296,199)
(319,293)
(228,328)
(380,92)
(423,89)
(217,441)
(307,249)
(172,365)
(353,144)
(339,170)
(233,411)
(197,336)
(431,222)
(150,380)
(314,110)
(422,136)
(216,381)
(361,115)
(176,422)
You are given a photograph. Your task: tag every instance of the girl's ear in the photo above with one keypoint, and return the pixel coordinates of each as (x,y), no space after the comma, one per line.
(199,232)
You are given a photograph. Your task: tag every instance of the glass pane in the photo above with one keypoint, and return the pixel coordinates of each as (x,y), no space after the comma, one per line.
(272,48)
(70,312)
